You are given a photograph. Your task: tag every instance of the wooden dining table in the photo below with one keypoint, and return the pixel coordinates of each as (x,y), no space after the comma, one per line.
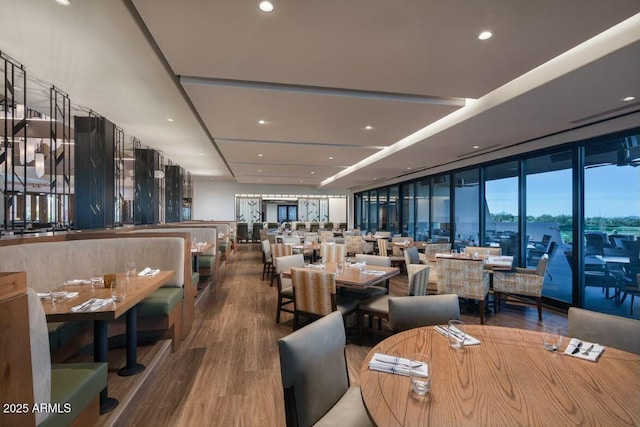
(200,249)
(138,289)
(353,277)
(508,379)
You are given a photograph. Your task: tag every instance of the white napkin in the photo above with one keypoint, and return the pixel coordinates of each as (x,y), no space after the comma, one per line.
(79,282)
(313,266)
(148,271)
(395,365)
(593,354)
(468,339)
(375,272)
(68,295)
(358,264)
(444,256)
(95,305)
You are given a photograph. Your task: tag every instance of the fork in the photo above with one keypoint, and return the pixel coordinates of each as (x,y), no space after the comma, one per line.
(87,304)
(586,352)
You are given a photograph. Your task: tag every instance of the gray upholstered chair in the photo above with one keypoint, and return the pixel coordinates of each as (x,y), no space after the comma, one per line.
(605,329)
(414,312)
(267,262)
(378,306)
(285,287)
(315,378)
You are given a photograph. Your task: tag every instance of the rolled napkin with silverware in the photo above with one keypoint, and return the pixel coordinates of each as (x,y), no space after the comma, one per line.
(92,305)
(148,271)
(584,350)
(397,365)
(79,282)
(468,339)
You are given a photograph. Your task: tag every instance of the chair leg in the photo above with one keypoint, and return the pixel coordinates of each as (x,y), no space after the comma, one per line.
(482,312)
(295,321)
(539,303)
(279,308)
(497,296)
(360,326)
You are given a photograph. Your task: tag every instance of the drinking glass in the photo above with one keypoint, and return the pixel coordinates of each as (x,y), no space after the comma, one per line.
(59,294)
(96,279)
(551,336)
(456,333)
(130,269)
(462,251)
(340,267)
(119,289)
(420,373)
(363,265)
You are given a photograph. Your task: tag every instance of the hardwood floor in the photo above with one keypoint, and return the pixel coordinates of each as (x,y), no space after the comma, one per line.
(227,372)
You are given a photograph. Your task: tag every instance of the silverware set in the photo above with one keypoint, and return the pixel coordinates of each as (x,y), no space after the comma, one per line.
(584,352)
(86,306)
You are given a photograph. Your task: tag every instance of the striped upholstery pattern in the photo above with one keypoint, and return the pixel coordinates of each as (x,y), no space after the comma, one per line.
(280,249)
(465,278)
(418,279)
(383,247)
(333,252)
(313,291)
(326,235)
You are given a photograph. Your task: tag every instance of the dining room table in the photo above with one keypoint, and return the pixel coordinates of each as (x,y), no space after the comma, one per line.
(200,248)
(138,288)
(508,379)
(355,277)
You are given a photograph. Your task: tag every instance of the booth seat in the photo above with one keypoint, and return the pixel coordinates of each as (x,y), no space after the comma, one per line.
(50,260)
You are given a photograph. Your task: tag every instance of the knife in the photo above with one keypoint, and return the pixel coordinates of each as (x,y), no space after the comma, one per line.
(586,352)
(577,349)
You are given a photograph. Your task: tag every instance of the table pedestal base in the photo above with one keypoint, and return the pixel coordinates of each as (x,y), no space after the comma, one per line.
(128,371)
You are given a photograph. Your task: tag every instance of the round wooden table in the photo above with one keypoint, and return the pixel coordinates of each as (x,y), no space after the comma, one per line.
(507,380)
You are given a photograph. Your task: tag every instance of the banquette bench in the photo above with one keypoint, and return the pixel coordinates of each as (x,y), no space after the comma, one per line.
(50,260)
(33,391)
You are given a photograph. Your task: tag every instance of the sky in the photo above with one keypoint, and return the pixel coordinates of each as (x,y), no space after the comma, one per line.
(611,191)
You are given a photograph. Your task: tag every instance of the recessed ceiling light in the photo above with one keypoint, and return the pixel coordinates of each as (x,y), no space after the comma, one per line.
(375,179)
(262,122)
(266,6)
(330,158)
(485,35)
(64,2)
(475,147)
(628,98)
(169,119)
(368,127)
(202,154)
(259,170)
(301,181)
(312,172)
(259,155)
(408,168)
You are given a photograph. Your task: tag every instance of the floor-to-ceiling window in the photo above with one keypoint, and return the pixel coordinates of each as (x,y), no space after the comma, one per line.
(501,208)
(357,210)
(383,212)
(549,220)
(441,209)
(466,210)
(611,223)
(423,193)
(364,224)
(408,210)
(373,210)
(394,209)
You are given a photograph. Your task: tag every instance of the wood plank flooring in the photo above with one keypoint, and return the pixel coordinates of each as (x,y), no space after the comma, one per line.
(227,372)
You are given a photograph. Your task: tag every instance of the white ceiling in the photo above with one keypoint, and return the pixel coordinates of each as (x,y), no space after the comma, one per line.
(319,71)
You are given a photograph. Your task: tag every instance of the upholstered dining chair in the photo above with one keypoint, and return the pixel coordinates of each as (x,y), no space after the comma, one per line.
(243,231)
(431,249)
(267,262)
(354,244)
(465,278)
(414,312)
(315,379)
(396,256)
(326,236)
(371,260)
(278,250)
(285,287)
(255,231)
(378,306)
(315,295)
(332,252)
(605,329)
(521,281)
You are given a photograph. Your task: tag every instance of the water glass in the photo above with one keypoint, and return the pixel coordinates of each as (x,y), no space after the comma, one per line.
(340,267)
(456,332)
(59,294)
(363,265)
(130,269)
(420,373)
(119,289)
(551,336)
(96,279)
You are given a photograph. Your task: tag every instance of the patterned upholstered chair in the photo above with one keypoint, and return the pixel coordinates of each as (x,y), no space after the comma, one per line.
(383,250)
(412,258)
(465,278)
(332,252)
(521,281)
(481,250)
(357,245)
(378,306)
(315,295)
(278,250)
(285,287)
(315,378)
(432,249)
(326,236)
